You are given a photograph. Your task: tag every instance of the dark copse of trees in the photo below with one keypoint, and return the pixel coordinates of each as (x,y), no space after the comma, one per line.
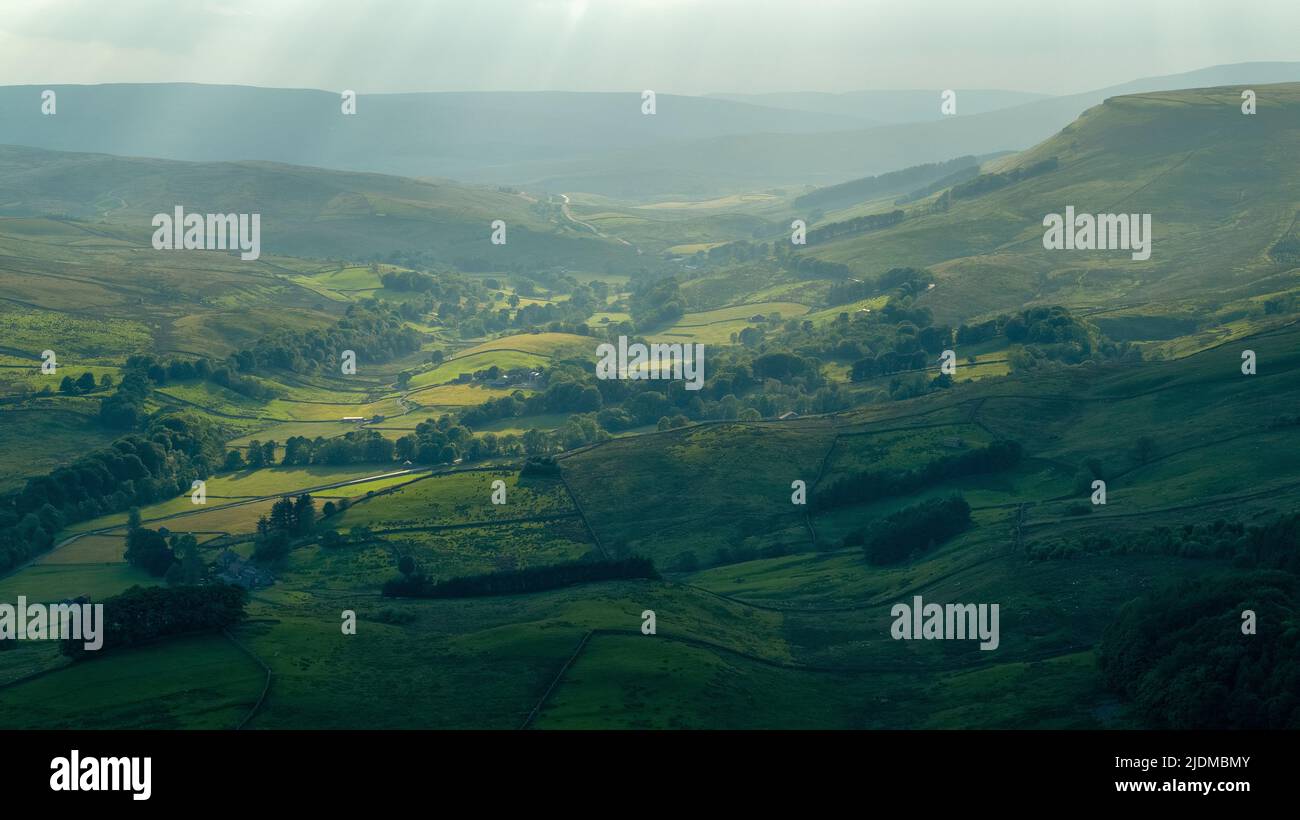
(516,582)
(1286,251)
(859,190)
(1275,545)
(915,529)
(858,224)
(290,519)
(411,281)
(144,614)
(135,470)
(870,485)
(1180,656)
(984,183)
(809,267)
(148,549)
(540,467)
(76,387)
(124,408)
(658,302)
(911,280)
(955,178)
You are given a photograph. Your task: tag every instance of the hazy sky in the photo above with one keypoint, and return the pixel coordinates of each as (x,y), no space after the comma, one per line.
(671,46)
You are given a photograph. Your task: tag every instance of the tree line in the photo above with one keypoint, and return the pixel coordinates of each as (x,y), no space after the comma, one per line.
(374,330)
(1272,545)
(984,183)
(858,224)
(860,190)
(134,470)
(870,485)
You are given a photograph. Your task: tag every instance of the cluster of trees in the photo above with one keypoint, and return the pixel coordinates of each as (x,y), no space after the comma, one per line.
(540,467)
(373,329)
(356,447)
(144,614)
(955,178)
(810,267)
(1048,333)
(147,549)
(124,408)
(888,363)
(559,396)
(1286,251)
(858,224)
(469,306)
(161,372)
(1275,545)
(860,190)
(414,584)
(83,384)
(1182,655)
(657,302)
(912,530)
(582,302)
(741,250)
(411,281)
(853,290)
(441,441)
(136,469)
(177,559)
(870,485)
(444,440)
(736,381)
(984,183)
(290,518)
(899,338)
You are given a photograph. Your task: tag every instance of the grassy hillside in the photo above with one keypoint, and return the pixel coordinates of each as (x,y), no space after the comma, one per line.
(1215,182)
(305,211)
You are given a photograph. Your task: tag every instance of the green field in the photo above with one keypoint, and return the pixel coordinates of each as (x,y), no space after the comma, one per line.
(197,683)
(459,498)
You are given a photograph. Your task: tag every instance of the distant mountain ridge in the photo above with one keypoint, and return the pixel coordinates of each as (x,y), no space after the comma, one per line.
(451,134)
(891,106)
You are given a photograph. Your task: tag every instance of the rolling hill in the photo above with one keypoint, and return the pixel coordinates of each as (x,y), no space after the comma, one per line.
(309,212)
(1216,182)
(463,135)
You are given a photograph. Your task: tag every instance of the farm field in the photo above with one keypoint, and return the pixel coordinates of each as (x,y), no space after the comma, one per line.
(459,498)
(204,682)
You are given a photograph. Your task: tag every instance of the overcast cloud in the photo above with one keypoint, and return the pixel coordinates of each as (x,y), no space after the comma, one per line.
(672,46)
